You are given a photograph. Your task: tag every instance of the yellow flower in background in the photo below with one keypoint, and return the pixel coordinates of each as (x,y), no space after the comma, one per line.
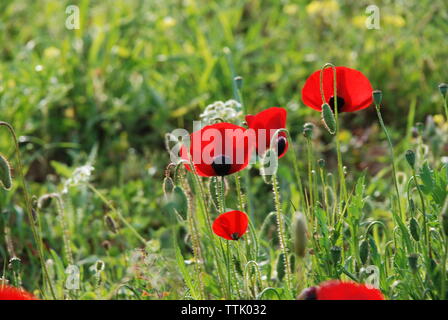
(291,9)
(168,22)
(359,21)
(387,20)
(439,119)
(394,20)
(345,136)
(51,52)
(324,8)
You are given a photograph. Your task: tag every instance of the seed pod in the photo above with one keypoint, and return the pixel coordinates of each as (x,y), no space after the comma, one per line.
(443,88)
(377,96)
(335,254)
(410,158)
(5,173)
(300,238)
(281,266)
(328,118)
(414,228)
(364,251)
(413,262)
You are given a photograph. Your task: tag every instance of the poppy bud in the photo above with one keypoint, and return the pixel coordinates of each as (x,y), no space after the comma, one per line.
(44,202)
(281,266)
(328,118)
(420,127)
(238,82)
(364,251)
(99,265)
(111,224)
(168,185)
(15,264)
(445,223)
(443,88)
(5,173)
(308,130)
(410,158)
(414,228)
(321,163)
(377,96)
(300,239)
(106,245)
(413,262)
(335,254)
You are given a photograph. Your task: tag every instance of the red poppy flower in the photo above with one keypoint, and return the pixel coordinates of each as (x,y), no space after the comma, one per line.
(354,91)
(265,124)
(341,290)
(219,149)
(11,293)
(231,225)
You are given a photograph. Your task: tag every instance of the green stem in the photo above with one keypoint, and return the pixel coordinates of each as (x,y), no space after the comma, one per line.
(281,232)
(117,213)
(392,156)
(425,224)
(29,208)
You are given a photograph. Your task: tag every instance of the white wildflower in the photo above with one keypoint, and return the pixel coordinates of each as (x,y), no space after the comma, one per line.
(229,111)
(81,175)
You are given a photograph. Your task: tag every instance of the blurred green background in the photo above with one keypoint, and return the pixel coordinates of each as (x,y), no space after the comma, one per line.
(138,69)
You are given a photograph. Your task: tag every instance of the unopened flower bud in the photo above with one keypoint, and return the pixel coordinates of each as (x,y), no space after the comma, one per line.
(238,82)
(5,173)
(335,254)
(308,130)
(377,97)
(364,251)
(111,224)
(445,223)
(321,163)
(328,118)
(443,88)
(413,262)
(414,228)
(410,158)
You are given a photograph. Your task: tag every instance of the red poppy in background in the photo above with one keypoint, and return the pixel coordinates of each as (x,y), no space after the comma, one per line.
(341,290)
(270,120)
(354,91)
(219,149)
(11,293)
(231,225)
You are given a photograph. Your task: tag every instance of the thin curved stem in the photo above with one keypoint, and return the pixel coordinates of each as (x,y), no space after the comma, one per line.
(29,208)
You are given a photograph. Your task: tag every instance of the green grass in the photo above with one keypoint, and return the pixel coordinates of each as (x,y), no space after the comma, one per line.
(107,94)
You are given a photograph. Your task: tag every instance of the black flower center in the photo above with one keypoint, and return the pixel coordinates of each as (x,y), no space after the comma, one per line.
(281,145)
(309,294)
(221,164)
(340,101)
(235,236)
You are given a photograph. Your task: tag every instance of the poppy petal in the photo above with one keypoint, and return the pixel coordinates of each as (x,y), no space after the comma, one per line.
(219,149)
(269,120)
(231,225)
(12,293)
(353,87)
(342,290)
